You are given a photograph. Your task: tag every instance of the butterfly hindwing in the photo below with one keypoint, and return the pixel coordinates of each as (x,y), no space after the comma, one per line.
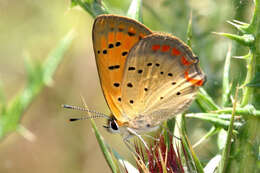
(113,38)
(161,78)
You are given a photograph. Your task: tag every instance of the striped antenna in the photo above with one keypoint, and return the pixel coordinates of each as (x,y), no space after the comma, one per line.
(97,114)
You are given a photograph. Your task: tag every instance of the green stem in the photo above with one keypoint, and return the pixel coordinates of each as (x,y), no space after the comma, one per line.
(104,148)
(194,166)
(39,76)
(245,148)
(107,154)
(205,101)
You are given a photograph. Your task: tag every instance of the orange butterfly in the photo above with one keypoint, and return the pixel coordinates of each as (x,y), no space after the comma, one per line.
(146,77)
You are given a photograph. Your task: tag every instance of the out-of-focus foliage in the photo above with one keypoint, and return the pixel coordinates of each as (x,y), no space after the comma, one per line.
(50,144)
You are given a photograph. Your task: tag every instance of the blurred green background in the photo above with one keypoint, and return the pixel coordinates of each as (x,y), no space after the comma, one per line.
(33,28)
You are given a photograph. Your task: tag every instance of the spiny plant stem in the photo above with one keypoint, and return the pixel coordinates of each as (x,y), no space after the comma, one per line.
(245,148)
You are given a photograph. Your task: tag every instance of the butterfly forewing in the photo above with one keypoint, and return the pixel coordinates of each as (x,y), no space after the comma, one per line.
(113,38)
(160,80)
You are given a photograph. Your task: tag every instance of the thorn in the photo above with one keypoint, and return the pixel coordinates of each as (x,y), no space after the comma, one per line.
(244,56)
(239,57)
(237,26)
(241,23)
(245,39)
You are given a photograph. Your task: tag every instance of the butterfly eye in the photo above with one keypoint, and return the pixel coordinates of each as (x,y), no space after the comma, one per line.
(113,126)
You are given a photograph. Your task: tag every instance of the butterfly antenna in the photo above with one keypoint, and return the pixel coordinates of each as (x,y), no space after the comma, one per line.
(97,114)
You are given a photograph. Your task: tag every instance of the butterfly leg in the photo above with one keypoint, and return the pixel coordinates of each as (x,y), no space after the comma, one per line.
(130,146)
(131,131)
(153,138)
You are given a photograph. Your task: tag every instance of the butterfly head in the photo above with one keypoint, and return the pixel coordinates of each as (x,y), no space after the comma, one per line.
(112,125)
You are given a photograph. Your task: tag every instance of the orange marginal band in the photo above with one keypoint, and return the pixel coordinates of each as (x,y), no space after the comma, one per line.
(175,52)
(165,48)
(156,47)
(196,82)
(184,61)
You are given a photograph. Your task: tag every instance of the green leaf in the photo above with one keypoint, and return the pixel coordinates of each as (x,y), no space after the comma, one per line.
(222,137)
(55,57)
(189,30)
(247,93)
(205,102)
(99,8)
(102,144)
(93,7)
(129,167)
(255,81)
(105,150)
(171,125)
(135,10)
(225,159)
(225,82)
(73,3)
(212,165)
(188,148)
